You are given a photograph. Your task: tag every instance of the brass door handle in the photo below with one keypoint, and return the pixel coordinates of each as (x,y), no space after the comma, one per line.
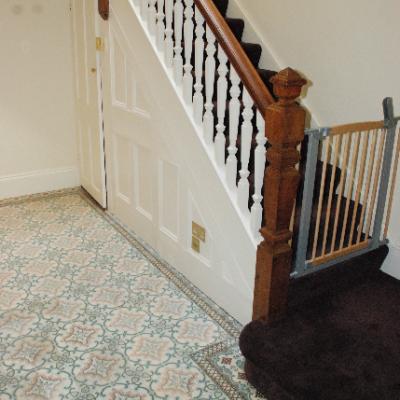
(93,70)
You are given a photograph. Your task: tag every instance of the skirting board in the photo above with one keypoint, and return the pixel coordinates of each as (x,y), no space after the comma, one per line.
(392,265)
(38,181)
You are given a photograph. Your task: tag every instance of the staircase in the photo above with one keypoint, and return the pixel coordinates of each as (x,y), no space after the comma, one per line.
(241,112)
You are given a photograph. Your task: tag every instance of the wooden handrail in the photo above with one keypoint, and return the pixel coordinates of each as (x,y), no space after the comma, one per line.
(104,8)
(356,127)
(236,55)
(234,51)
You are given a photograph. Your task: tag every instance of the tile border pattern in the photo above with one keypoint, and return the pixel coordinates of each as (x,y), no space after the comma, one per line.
(203,360)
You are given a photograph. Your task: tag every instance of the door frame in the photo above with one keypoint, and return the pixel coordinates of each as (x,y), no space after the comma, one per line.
(98,127)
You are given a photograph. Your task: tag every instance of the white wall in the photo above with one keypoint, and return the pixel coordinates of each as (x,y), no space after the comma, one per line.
(37,122)
(350,52)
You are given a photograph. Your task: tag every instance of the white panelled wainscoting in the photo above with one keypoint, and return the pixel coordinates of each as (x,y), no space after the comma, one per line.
(161,174)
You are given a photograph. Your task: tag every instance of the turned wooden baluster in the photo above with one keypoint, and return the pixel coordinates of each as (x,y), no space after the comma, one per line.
(188,34)
(234,115)
(210,63)
(198,99)
(152,17)
(259,171)
(169,43)
(178,26)
(245,149)
(222,89)
(160,24)
(284,131)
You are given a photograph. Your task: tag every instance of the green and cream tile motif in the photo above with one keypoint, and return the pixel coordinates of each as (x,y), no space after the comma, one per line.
(87,311)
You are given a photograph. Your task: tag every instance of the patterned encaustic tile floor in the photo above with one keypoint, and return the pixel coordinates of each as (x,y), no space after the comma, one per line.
(87,311)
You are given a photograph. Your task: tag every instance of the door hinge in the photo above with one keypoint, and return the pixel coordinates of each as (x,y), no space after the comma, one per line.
(99,44)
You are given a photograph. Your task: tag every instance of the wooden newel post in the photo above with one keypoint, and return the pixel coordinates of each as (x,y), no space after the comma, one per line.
(285,122)
(104,8)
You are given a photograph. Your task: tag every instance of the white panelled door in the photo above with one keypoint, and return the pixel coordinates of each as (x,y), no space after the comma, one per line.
(131,137)
(89,102)
(144,175)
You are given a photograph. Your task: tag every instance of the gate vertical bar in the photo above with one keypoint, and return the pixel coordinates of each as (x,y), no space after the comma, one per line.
(390,124)
(307,201)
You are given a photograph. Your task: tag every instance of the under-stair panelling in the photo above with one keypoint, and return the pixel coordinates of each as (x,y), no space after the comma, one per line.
(169,179)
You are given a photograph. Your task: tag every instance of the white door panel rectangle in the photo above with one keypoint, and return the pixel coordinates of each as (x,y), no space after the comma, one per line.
(143,181)
(169,199)
(119,82)
(123,167)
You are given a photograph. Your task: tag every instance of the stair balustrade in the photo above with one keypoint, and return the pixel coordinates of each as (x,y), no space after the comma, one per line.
(220,84)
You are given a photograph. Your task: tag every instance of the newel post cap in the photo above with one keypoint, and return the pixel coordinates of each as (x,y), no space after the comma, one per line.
(288,84)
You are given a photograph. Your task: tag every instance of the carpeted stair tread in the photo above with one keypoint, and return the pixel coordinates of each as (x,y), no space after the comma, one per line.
(222,6)
(341,343)
(342,221)
(266,76)
(237,27)
(253,51)
(324,213)
(328,176)
(335,279)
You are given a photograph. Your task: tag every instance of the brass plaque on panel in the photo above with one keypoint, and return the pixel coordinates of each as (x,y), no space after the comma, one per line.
(195,244)
(99,44)
(198,231)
